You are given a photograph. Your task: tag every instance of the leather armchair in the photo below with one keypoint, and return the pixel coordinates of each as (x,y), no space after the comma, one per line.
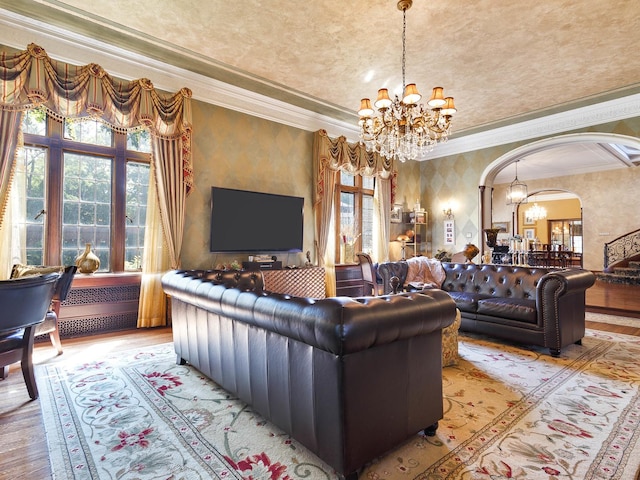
(63,286)
(24,304)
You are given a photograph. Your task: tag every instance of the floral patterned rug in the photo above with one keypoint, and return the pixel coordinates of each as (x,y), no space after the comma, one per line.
(509,413)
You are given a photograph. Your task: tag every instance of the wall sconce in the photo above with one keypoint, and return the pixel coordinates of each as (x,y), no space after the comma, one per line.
(448,213)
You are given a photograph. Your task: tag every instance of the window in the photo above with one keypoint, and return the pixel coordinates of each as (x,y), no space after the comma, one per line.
(83,183)
(354,214)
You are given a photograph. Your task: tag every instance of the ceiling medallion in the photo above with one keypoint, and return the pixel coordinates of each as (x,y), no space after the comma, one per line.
(405,129)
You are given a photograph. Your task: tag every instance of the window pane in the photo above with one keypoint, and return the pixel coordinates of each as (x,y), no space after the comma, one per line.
(347,217)
(32,161)
(367,224)
(139,141)
(35,122)
(137,187)
(87,206)
(88,131)
(347,179)
(368,183)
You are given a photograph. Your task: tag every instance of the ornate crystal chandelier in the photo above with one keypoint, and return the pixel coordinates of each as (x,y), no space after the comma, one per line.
(536,212)
(405,129)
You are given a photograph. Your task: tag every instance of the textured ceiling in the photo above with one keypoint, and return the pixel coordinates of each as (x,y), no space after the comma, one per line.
(500,59)
(503,60)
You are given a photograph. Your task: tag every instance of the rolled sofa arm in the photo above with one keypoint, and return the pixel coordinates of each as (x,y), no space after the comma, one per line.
(575,280)
(338,325)
(562,282)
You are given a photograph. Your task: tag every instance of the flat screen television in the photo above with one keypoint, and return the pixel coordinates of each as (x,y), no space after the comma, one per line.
(244,221)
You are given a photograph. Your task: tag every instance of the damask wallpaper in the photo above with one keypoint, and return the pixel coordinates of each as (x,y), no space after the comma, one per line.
(235,150)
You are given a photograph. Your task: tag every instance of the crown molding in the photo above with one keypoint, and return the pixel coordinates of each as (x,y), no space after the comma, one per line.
(18,31)
(577,118)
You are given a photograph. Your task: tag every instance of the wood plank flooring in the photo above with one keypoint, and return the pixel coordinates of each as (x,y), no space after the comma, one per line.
(614,298)
(23,446)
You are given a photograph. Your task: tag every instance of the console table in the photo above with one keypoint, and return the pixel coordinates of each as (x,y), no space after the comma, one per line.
(299,282)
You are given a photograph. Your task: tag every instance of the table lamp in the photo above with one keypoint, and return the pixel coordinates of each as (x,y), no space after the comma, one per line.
(404,239)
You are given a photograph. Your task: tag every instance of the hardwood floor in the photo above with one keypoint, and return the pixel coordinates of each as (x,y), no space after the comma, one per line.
(23,446)
(614,298)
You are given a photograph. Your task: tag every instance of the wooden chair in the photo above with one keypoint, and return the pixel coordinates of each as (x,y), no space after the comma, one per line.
(368,274)
(25,302)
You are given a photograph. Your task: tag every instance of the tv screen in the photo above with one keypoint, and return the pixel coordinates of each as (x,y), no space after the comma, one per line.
(243,221)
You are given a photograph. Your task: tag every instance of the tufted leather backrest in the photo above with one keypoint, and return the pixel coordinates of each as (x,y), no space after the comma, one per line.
(505,281)
(244,280)
(339,325)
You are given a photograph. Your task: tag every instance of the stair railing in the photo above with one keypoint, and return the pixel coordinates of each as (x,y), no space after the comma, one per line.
(621,248)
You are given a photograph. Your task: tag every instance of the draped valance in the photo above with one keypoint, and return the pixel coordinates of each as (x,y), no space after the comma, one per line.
(338,154)
(30,78)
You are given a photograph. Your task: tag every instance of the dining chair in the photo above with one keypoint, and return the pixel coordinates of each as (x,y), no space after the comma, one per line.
(50,325)
(368,274)
(24,302)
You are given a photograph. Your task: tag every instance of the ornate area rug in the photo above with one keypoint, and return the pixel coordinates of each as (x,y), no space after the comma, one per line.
(510,412)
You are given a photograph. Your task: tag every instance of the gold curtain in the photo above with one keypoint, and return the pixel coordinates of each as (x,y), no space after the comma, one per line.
(9,130)
(152,308)
(329,157)
(31,79)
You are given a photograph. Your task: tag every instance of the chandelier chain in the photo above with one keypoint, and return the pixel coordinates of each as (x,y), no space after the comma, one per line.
(404,45)
(403,128)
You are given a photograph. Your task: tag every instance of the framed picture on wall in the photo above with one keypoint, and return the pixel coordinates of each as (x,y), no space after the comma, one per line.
(530,233)
(449,232)
(502,226)
(528,220)
(396,213)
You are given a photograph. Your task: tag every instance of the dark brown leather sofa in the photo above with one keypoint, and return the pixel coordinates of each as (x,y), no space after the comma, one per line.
(349,378)
(528,305)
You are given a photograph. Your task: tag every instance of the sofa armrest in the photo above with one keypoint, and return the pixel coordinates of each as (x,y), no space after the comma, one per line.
(575,280)
(560,303)
(387,270)
(555,284)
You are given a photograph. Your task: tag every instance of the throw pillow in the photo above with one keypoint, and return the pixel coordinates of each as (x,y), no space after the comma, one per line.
(20,270)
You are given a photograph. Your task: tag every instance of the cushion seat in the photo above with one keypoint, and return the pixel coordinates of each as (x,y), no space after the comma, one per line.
(520,309)
(468,301)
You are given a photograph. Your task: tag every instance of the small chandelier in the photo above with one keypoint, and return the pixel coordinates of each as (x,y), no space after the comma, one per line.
(405,129)
(536,212)
(517,191)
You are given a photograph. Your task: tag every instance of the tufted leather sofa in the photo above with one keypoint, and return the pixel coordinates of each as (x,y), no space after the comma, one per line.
(349,378)
(528,305)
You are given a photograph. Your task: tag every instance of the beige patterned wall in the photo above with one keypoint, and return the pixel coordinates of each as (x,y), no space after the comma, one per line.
(407,192)
(240,151)
(235,150)
(611,204)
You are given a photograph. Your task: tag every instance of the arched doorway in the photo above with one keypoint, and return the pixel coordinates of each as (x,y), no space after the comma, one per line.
(520,154)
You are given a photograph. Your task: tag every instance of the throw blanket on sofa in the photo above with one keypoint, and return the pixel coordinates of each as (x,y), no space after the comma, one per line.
(425,270)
